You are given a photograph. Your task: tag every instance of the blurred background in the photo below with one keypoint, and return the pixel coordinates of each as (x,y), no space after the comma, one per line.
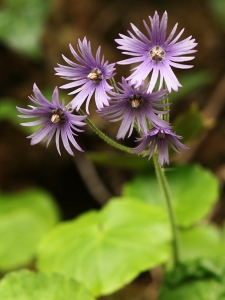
(34,34)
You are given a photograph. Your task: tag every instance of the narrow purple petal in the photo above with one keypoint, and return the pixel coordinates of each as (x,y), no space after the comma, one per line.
(65,141)
(156,53)
(83,72)
(34,123)
(55,119)
(133,104)
(57,135)
(55,97)
(160,138)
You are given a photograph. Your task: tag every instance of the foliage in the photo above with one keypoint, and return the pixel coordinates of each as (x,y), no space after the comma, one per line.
(217,7)
(26,285)
(187,183)
(197,280)
(21,25)
(24,218)
(106,249)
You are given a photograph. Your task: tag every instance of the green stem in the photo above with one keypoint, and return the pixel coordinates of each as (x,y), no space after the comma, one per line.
(113,83)
(105,137)
(166,117)
(168,200)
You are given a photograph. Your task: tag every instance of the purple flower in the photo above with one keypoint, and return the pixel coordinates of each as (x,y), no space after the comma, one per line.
(132,105)
(90,75)
(54,118)
(160,138)
(156,53)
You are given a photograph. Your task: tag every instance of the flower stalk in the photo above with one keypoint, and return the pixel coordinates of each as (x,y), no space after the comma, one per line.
(164,186)
(104,137)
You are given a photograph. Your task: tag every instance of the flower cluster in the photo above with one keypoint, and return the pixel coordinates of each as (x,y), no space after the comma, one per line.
(140,101)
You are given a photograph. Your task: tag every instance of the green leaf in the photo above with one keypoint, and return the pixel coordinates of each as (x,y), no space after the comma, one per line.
(8,112)
(217,7)
(200,242)
(193,269)
(26,285)
(200,279)
(107,249)
(24,218)
(189,130)
(194,190)
(191,82)
(118,160)
(21,24)
(203,289)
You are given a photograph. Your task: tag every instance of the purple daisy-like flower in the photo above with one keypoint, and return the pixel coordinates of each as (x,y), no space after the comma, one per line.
(88,76)
(132,105)
(160,138)
(55,118)
(156,53)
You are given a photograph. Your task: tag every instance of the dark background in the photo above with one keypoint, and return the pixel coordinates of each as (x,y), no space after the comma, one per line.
(22,165)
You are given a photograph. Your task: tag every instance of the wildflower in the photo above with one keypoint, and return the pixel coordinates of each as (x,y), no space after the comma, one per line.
(156,53)
(160,138)
(89,76)
(132,104)
(54,118)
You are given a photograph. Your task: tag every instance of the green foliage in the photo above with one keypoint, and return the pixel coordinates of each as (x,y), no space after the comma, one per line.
(21,24)
(185,128)
(194,191)
(24,218)
(217,7)
(26,285)
(191,82)
(107,249)
(200,279)
(120,160)
(8,112)
(193,269)
(201,242)
(197,289)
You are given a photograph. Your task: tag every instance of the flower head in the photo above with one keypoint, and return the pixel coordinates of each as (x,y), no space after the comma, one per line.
(132,104)
(160,138)
(88,76)
(55,118)
(156,53)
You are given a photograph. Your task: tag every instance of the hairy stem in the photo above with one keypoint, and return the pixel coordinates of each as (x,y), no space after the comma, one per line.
(166,117)
(105,137)
(113,83)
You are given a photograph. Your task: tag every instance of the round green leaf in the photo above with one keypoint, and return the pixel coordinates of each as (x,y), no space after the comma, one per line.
(194,190)
(107,249)
(26,285)
(24,218)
